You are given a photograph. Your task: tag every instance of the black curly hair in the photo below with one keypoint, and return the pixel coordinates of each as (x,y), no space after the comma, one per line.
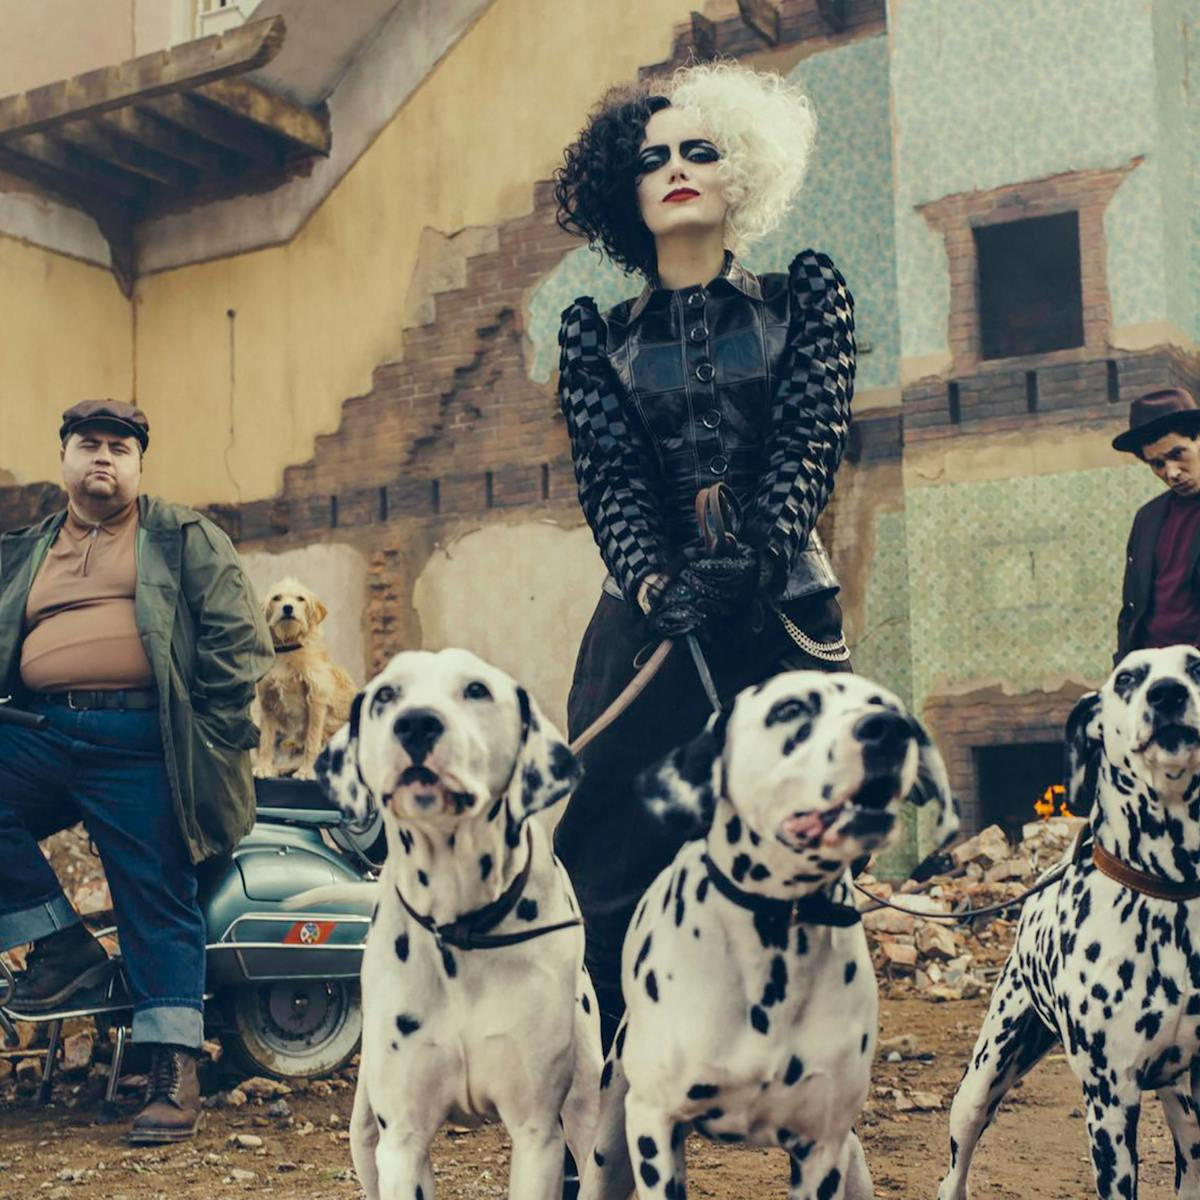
(595,188)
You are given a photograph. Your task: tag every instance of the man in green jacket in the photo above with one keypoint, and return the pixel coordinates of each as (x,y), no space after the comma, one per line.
(128,625)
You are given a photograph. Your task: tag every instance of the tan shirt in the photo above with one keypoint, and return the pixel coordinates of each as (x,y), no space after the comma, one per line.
(80,628)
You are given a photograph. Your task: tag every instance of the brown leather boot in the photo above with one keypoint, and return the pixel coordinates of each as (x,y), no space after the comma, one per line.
(171,1112)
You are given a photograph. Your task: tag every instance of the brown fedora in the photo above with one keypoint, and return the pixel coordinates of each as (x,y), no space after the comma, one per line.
(1157,413)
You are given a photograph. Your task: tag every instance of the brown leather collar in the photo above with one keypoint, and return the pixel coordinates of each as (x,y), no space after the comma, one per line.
(1142,881)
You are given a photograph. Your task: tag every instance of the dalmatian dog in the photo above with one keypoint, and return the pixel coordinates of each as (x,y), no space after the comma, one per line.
(476,1003)
(1102,967)
(752,1006)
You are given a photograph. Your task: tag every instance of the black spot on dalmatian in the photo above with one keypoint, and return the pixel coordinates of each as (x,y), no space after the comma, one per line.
(647,1147)
(527,910)
(402,947)
(851,971)
(382,1122)
(606,1075)
(494,811)
(562,763)
(702,1091)
(585,1004)
(619,1041)
(420,1193)
(406,840)
(759,872)
(866,1041)
(740,868)
(651,986)
(641,956)
(733,830)
(758,1019)
(795,1069)
(678,1133)
(422,879)
(448,963)
(649,1175)
(337,760)
(407,1024)
(485,865)
(776,987)
(598,1157)
(829,1185)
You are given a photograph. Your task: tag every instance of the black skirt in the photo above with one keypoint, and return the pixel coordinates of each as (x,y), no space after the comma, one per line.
(611,845)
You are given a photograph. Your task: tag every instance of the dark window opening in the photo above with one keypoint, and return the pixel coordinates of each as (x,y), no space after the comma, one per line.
(1011,779)
(1030,295)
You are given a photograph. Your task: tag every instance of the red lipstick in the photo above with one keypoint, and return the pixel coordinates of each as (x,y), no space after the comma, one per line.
(680,194)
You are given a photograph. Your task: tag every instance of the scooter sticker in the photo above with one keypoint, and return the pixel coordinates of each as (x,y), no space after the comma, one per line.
(309,933)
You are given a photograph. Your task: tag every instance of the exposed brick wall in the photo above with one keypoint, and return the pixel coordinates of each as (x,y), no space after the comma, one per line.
(961,724)
(1043,389)
(954,217)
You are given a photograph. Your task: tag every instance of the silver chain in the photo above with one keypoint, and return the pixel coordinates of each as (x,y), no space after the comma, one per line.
(835,651)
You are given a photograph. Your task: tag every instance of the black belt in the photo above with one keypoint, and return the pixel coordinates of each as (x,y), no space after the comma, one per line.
(127,698)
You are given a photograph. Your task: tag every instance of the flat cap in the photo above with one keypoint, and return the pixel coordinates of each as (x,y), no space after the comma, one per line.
(115,413)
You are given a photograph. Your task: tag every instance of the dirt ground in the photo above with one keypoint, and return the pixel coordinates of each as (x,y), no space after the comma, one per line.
(1036,1150)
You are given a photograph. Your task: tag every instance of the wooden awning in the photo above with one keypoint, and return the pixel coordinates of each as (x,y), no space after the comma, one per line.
(161,132)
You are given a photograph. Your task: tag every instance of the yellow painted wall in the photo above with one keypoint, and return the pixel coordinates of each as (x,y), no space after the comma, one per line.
(65,335)
(315,316)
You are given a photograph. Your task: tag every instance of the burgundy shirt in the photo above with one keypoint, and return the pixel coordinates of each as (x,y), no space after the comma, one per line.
(1175,612)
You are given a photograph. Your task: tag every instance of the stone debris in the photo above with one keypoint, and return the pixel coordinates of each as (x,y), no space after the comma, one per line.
(244,1141)
(259,1088)
(77,1051)
(940,959)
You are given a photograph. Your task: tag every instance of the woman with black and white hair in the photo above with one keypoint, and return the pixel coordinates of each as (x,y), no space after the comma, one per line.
(712,374)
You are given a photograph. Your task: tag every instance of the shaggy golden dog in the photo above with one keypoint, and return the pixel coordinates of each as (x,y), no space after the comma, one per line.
(305,697)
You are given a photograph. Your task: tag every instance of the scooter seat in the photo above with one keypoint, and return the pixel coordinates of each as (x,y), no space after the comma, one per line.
(301,795)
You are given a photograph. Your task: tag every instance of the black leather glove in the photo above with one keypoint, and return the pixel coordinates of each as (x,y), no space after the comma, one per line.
(676,612)
(723,586)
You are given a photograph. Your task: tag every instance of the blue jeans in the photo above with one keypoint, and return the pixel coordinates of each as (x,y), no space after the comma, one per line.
(106,768)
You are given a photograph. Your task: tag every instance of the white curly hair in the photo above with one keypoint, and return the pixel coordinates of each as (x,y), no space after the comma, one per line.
(764,128)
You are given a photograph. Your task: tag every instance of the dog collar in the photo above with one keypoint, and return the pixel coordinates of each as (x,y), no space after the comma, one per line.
(816,908)
(288,648)
(1142,881)
(473,930)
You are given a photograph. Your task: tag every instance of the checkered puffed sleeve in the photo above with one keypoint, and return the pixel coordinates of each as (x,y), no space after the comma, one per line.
(613,465)
(810,412)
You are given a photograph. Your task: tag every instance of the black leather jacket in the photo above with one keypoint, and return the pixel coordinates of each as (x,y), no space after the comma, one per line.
(747,380)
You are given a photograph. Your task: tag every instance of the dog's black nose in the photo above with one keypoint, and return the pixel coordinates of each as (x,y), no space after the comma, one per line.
(884,730)
(1168,698)
(417,729)
(288,610)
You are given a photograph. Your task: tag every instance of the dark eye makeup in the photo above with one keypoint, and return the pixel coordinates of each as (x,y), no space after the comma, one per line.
(696,150)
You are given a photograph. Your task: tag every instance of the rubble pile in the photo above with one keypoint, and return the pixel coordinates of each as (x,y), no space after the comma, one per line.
(957,960)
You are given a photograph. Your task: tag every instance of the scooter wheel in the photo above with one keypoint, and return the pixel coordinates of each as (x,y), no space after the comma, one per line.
(294,1029)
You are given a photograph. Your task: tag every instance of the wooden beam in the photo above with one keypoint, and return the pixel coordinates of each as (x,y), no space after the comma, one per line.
(94,139)
(158,135)
(833,13)
(302,127)
(704,37)
(763,17)
(39,150)
(187,66)
(112,213)
(215,125)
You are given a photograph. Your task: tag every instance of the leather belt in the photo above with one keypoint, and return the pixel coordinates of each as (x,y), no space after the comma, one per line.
(117,699)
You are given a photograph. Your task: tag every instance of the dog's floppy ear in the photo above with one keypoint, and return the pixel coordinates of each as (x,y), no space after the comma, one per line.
(338,772)
(682,790)
(933,784)
(546,771)
(317,611)
(1084,743)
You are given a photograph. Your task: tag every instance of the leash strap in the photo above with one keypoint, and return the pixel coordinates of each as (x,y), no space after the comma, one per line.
(473,930)
(816,908)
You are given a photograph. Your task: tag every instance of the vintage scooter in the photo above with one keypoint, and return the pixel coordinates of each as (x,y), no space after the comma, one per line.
(287,915)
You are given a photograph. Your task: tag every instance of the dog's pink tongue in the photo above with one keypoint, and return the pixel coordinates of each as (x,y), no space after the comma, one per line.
(803,827)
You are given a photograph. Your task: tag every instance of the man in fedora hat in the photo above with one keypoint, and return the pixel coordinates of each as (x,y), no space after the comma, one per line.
(127,624)
(1160,604)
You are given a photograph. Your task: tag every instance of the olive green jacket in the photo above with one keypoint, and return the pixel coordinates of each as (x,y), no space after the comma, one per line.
(208,646)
